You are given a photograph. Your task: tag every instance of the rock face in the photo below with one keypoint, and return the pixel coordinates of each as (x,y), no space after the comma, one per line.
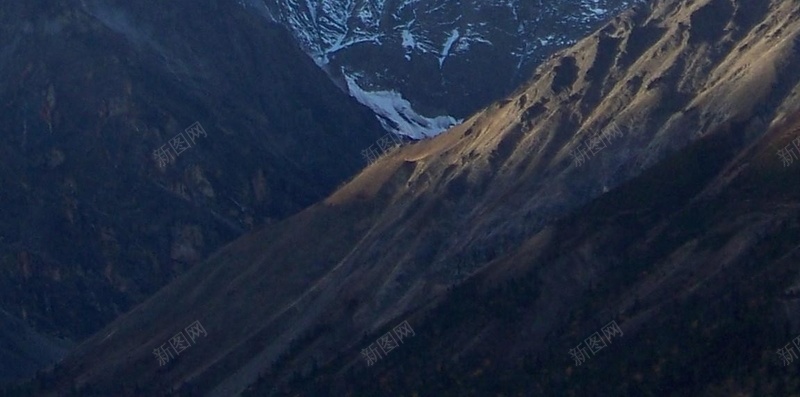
(613,185)
(92,223)
(423,64)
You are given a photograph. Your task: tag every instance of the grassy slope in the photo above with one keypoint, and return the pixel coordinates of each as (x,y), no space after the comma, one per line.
(710,325)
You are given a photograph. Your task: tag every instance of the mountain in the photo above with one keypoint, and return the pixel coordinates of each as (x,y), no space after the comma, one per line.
(613,186)
(422,65)
(694,262)
(92,223)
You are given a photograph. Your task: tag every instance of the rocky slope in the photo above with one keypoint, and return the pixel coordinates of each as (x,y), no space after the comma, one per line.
(695,262)
(683,90)
(422,65)
(92,223)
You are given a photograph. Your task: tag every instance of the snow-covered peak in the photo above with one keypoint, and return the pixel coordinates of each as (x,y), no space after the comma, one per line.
(442,57)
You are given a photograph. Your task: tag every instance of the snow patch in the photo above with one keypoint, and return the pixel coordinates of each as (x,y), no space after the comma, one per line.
(408,43)
(597,9)
(396,113)
(447,46)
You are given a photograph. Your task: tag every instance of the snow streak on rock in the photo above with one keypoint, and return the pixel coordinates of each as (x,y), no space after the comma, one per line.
(396,113)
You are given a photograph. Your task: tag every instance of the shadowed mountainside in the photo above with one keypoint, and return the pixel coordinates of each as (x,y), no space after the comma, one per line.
(25,351)
(92,223)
